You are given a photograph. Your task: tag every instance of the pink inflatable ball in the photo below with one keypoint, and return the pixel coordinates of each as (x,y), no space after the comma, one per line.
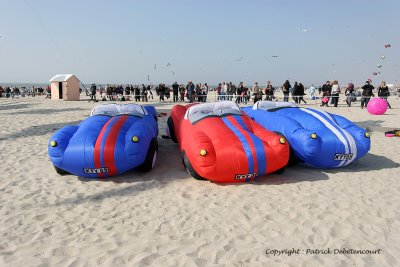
(377,106)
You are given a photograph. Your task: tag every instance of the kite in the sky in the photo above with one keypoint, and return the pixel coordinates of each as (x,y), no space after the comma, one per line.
(374,73)
(387,45)
(382,57)
(148,78)
(239,59)
(275,56)
(173,73)
(155,66)
(379,66)
(168,64)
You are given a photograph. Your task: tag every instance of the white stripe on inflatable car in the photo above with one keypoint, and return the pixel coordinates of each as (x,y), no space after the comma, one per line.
(353,145)
(333,129)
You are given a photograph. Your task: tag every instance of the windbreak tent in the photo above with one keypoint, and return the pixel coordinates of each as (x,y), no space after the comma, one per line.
(65,86)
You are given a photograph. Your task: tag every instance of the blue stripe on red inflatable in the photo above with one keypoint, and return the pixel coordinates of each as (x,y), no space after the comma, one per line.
(258,145)
(245,144)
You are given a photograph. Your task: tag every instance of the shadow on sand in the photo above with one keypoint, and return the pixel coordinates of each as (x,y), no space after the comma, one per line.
(38,130)
(46,111)
(374,126)
(168,168)
(7,106)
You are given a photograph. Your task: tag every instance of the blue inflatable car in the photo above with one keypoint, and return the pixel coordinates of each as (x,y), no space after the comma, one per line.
(317,138)
(113,140)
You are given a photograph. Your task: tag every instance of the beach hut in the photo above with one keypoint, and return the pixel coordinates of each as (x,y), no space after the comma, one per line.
(65,86)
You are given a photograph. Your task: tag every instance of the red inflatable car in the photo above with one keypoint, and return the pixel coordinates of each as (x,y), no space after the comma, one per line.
(220,143)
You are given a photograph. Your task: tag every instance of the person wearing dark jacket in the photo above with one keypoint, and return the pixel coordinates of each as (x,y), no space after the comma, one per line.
(161,91)
(269,92)
(93,90)
(190,91)
(285,88)
(137,93)
(366,94)
(240,92)
(143,92)
(295,93)
(326,93)
(175,91)
(301,94)
(383,92)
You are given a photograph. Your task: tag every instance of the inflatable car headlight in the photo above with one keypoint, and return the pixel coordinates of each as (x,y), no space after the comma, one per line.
(314,136)
(366,134)
(282,140)
(135,139)
(53,143)
(203,152)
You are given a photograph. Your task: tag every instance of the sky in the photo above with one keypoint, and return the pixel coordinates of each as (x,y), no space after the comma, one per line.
(308,41)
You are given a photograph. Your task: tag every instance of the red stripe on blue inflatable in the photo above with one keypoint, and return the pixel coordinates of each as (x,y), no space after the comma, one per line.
(111,141)
(97,147)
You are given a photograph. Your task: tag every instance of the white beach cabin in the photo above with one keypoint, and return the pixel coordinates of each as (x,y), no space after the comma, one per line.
(65,87)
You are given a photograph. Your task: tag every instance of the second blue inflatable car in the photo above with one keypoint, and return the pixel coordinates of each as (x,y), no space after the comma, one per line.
(114,139)
(319,139)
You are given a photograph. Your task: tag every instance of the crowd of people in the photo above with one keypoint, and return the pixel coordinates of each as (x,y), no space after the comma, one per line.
(329,93)
(15,91)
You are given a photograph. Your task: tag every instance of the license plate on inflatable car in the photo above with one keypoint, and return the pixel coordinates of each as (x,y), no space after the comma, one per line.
(95,171)
(343,156)
(247,176)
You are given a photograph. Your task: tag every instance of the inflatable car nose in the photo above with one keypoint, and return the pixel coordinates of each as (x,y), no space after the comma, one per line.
(113,140)
(319,139)
(243,150)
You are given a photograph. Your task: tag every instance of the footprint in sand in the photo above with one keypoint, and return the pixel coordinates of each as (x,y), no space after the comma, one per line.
(65,252)
(228,256)
(161,260)
(319,238)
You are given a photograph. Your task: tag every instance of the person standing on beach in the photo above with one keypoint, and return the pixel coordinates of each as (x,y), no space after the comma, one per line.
(93,90)
(366,94)
(175,91)
(326,93)
(350,96)
(335,91)
(144,93)
(256,92)
(295,93)
(224,90)
(182,91)
(286,89)
(246,95)
(240,92)
(137,93)
(204,92)
(190,91)
(269,91)
(311,91)
(383,92)
(300,93)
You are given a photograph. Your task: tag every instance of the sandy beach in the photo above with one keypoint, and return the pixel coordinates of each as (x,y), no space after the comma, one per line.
(166,218)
